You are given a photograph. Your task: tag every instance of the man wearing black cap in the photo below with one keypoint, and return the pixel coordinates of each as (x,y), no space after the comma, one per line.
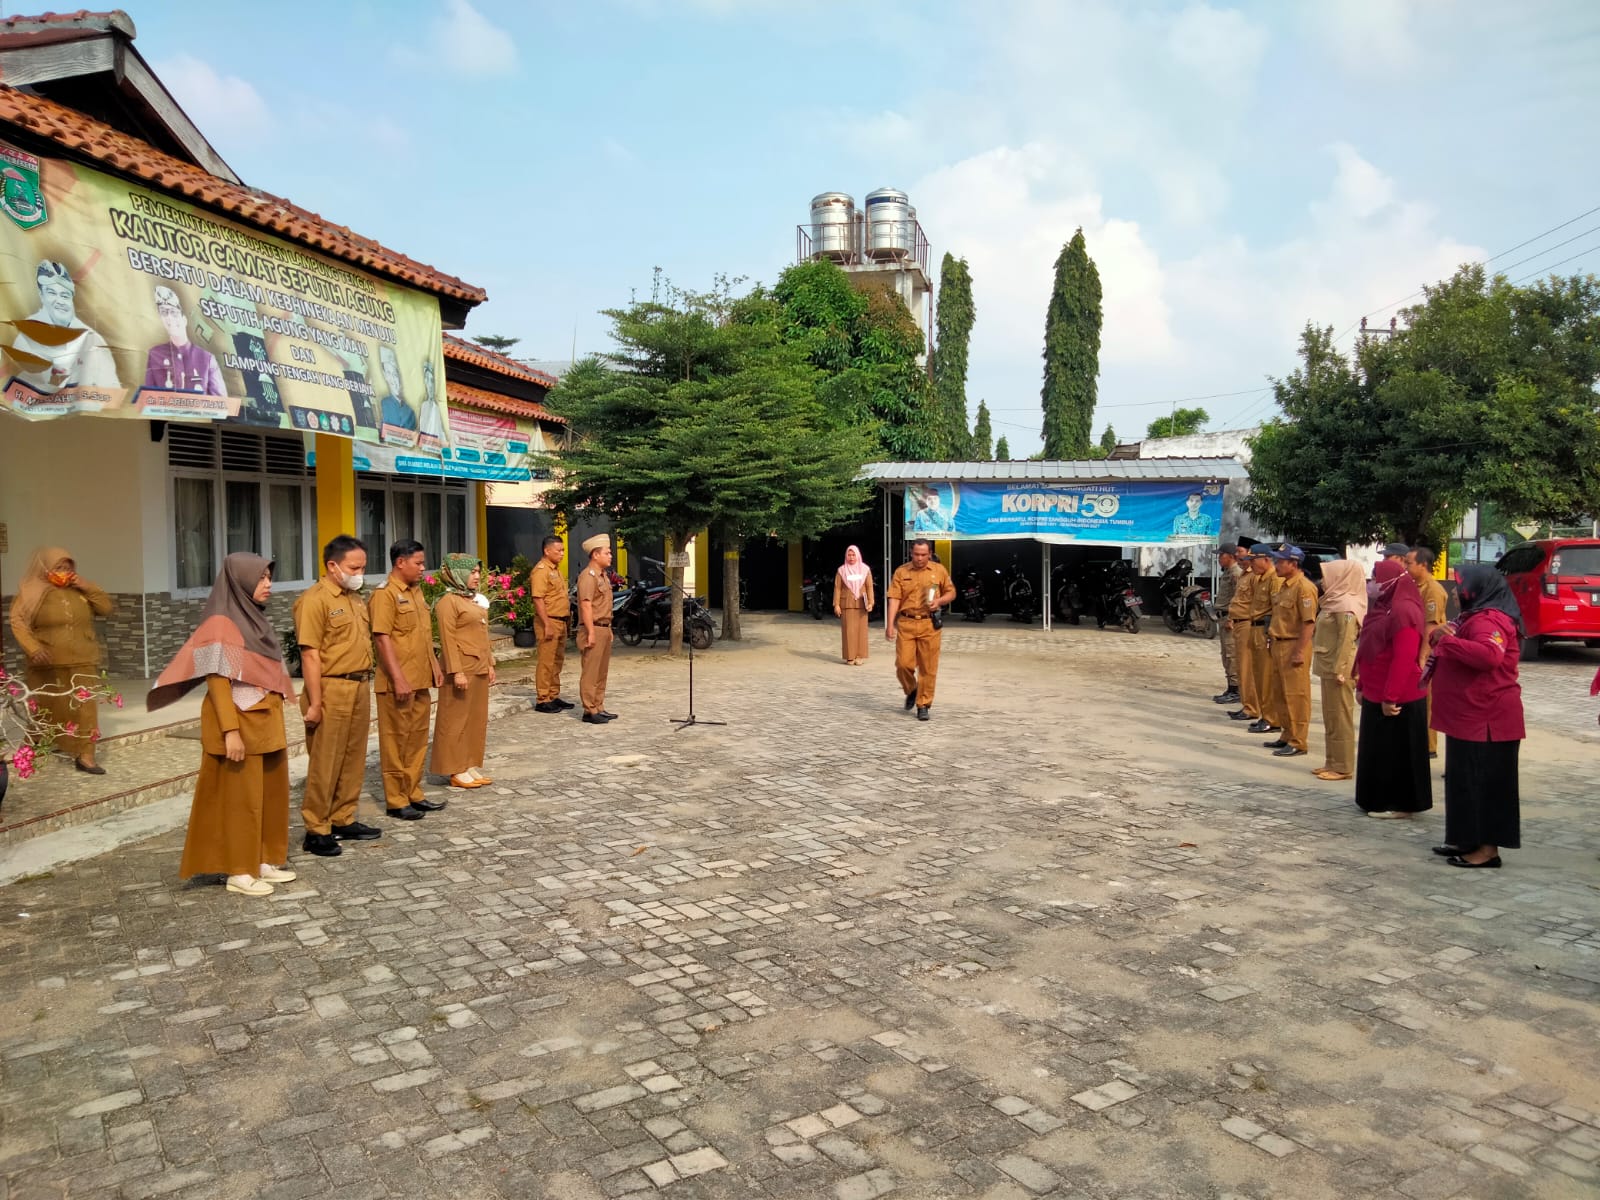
(1396,550)
(1294,615)
(1269,695)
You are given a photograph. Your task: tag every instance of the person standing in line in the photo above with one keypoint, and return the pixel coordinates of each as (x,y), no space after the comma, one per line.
(239,817)
(594,638)
(852,603)
(1395,550)
(1392,759)
(1227,588)
(917,592)
(1294,617)
(53,620)
(1477,705)
(1435,613)
(407,668)
(335,635)
(552,609)
(1333,656)
(1269,691)
(1236,625)
(461,733)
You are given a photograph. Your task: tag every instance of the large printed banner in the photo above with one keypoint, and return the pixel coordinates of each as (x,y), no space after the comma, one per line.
(496,449)
(1097,514)
(120,302)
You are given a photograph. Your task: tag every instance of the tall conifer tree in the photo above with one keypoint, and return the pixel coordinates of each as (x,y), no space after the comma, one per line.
(981,433)
(955,317)
(1002,450)
(1071,352)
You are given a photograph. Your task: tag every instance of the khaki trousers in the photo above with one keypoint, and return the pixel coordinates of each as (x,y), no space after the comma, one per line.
(1245,668)
(552,654)
(1338,725)
(1269,697)
(916,657)
(596,664)
(461,730)
(1230,662)
(337,750)
(1294,688)
(403,745)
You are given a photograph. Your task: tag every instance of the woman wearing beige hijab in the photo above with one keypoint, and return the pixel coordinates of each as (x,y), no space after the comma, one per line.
(852,602)
(1333,656)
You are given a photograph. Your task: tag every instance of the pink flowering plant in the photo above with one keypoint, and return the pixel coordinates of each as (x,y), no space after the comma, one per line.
(26,727)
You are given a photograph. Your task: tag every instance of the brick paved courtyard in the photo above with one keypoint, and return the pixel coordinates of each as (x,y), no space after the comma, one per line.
(1077,936)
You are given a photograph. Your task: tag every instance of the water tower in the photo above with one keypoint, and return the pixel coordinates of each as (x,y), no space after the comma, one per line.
(881,245)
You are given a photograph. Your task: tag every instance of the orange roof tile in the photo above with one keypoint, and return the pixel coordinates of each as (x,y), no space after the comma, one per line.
(85,138)
(460,393)
(492,360)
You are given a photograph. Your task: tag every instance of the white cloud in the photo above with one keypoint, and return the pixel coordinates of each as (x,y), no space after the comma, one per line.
(223,107)
(1359,188)
(1371,37)
(1221,46)
(465,41)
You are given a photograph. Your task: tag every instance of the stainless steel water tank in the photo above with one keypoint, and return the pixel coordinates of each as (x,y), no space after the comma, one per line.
(833,219)
(888,224)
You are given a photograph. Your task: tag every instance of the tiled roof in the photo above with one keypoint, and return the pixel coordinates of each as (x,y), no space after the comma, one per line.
(490,360)
(1081,471)
(471,397)
(61,27)
(82,137)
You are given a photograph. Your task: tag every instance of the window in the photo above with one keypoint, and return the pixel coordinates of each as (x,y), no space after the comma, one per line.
(432,534)
(192,502)
(405,516)
(287,517)
(372,522)
(244,517)
(1519,559)
(455,507)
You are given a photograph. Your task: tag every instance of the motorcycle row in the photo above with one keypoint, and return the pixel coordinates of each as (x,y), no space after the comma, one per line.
(1107,591)
(644,610)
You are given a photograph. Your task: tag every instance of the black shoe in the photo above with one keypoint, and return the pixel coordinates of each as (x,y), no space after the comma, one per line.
(1448,851)
(911,701)
(1275,745)
(563,705)
(356,832)
(547,706)
(1239,714)
(922,712)
(1227,697)
(1458,861)
(88,768)
(324,844)
(408,813)
(429,806)
(595,719)
(1433,754)
(1263,725)
(1286,752)
(608,715)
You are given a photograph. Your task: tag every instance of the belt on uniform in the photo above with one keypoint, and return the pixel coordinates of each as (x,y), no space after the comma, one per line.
(602,624)
(356,676)
(1260,620)
(911,617)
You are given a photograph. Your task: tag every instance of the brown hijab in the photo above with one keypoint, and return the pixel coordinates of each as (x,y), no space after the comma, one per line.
(35,584)
(234,639)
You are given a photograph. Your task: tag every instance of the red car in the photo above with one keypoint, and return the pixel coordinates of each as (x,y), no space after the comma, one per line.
(1557,586)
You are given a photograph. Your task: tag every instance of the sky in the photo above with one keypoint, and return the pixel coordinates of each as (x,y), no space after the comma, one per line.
(1237,171)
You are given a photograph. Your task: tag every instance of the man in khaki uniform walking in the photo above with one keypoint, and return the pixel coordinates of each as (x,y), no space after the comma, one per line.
(1294,617)
(1269,696)
(335,637)
(1435,614)
(594,636)
(407,669)
(917,591)
(1236,628)
(550,602)
(1227,586)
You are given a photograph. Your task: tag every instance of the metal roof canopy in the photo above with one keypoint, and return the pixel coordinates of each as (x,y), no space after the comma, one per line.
(1198,470)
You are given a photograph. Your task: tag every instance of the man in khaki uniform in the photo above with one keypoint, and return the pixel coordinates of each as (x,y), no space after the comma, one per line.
(594,638)
(335,637)
(1269,696)
(917,591)
(1435,614)
(1227,585)
(1236,628)
(1294,614)
(549,588)
(407,668)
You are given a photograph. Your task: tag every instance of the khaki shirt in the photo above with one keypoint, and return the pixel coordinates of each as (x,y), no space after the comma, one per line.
(1227,584)
(401,613)
(1435,611)
(547,584)
(334,623)
(464,647)
(1262,595)
(1293,608)
(1243,596)
(594,587)
(64,624)
(915,588)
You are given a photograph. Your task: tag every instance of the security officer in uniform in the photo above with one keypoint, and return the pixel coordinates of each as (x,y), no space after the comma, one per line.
(1227,586)
(594,638)
(917,591)
(335,637)
(1294,613)
(1269,697)
(1435,615)
(1236,629)
(407,668)
(549,588)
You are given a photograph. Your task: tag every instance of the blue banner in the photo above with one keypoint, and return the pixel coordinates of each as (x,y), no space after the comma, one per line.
(1098,514)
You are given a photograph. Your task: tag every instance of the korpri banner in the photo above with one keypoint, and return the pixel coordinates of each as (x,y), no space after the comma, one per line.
(1097,514)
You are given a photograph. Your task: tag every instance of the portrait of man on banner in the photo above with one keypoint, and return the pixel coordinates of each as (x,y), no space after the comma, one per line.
(930,508)
(1191,522)
(177,364)
(54,348)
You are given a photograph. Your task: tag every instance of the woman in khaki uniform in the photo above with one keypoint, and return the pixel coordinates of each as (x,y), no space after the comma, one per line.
(239,819)
(852,602)
(53,619)
(461,730)
(1333,660)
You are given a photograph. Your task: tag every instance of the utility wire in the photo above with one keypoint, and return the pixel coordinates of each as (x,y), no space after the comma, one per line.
(1563,262)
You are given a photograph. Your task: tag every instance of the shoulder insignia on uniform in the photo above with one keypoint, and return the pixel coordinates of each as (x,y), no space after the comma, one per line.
(1497,638)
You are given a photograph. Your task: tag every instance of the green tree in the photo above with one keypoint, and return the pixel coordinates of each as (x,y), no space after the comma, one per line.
(1487,395)
(956,315)
(1002,450)
(713,423)
(982,433)
(1107,443)
(1180,423)
(495,342)
(1071,352)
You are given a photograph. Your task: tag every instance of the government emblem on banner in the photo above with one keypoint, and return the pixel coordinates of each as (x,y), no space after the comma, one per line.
(21,195)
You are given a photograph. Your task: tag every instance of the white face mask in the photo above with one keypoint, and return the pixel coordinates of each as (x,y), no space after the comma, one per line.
(354,583)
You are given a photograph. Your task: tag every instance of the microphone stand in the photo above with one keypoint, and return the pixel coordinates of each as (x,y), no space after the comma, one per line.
(684,722)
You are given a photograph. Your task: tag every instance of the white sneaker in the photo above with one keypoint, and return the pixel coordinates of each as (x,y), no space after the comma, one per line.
(1389,816)
(274,874)
(249,885)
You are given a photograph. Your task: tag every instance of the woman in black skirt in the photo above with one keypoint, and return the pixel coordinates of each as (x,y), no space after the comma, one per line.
(1392,778)
(1477,705)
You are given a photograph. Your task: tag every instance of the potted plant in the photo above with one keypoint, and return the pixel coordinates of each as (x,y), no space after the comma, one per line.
(26,728)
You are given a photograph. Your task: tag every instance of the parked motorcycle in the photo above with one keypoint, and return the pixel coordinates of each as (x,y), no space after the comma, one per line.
(645,611)
(973,607)
(816,594)
(1019,594)
(1186,606)
(1108,591)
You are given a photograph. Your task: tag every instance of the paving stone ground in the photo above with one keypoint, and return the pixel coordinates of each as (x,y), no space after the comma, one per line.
(1077,936)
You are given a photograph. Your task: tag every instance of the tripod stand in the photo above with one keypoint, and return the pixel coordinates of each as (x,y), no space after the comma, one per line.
(684,722)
